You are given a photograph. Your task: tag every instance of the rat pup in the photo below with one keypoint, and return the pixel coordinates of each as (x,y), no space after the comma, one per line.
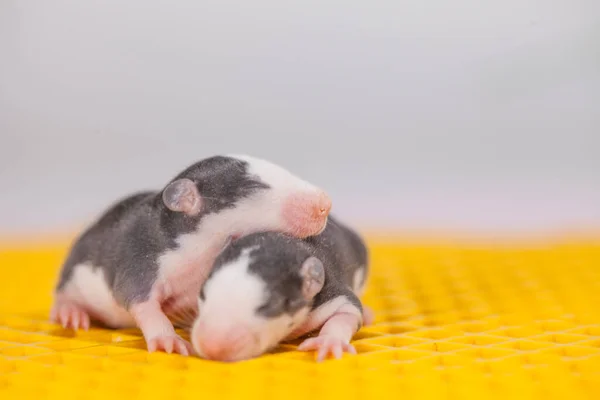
(143,262)
(269,287)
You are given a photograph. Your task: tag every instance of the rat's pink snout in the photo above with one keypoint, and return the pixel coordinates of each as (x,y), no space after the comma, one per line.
(223,345)
(305,214)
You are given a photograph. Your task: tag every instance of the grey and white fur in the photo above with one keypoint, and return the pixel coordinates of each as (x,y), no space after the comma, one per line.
(143,261)
(270,287)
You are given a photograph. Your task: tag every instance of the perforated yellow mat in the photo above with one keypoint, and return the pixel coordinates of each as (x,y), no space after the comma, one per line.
(452,322)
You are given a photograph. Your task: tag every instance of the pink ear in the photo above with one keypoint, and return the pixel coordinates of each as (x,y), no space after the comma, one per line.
(313,275)
(182,196)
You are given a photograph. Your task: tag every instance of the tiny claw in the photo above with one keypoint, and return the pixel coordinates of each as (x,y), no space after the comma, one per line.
(70,315)
(337,351)
(75,320)
(327,345)
(85,321)
(63,317)
(182,348)
(169,344)
(322,354)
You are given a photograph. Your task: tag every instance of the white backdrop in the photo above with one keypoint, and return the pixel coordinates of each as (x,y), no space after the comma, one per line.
(422,114)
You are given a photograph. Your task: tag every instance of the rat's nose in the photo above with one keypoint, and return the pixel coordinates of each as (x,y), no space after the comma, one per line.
(323,205)
(214,349)
(305,214)
(223,346)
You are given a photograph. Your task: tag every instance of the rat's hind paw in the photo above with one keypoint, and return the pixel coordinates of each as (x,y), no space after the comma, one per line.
(170,344)
(70,315)
(327,345)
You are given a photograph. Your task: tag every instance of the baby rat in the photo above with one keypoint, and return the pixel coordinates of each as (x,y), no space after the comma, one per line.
(143,262)
(269,287)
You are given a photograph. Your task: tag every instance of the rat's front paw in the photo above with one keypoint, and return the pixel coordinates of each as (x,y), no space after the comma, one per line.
(70,315)
(327,345)
(170,344)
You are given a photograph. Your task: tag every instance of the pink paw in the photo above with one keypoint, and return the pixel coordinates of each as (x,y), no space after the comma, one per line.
(327,345)
(70,315)
(368,316)
(170,344)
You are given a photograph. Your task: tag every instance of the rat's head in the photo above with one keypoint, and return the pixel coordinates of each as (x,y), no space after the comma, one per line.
(261,288)
(239,195)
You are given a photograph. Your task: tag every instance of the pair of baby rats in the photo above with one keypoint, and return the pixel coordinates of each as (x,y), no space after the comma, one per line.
(237,248)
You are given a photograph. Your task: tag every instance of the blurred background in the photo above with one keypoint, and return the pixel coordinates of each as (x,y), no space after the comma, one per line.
(448,115)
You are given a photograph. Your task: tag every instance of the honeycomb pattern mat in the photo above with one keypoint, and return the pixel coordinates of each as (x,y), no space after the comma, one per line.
(452,322)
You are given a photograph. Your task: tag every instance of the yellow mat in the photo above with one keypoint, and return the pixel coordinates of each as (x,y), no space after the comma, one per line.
(452,322)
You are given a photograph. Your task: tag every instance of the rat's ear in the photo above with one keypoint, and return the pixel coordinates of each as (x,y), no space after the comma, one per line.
(313,276)
(182,196)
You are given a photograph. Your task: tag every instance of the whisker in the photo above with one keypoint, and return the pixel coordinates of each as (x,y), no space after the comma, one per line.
(180,317)
(190,317)
(176,320)
(187,319)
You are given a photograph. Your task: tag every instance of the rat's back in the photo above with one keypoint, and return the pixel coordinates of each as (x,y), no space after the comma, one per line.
(98,244)
(111,242)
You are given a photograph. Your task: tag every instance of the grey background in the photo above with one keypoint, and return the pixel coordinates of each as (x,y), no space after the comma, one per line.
(429,114)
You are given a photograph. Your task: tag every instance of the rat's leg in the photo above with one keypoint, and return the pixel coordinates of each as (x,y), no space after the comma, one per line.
(128,288)
(158,329)
(69,314)
(335,335)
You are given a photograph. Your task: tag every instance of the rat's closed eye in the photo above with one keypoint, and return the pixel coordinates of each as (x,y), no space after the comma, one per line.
(274,307)
(293,305)
(278,305)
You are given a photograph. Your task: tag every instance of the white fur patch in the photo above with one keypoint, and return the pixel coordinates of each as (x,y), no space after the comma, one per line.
(275,176)
(233,292)
(88,288)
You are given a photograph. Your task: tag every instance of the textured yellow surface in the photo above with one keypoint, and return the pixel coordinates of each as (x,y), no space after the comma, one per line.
(455,322)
